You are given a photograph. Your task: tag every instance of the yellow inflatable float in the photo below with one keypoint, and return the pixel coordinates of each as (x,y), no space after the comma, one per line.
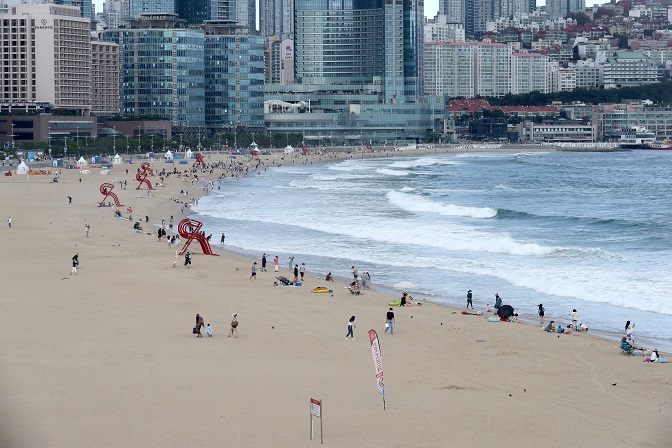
(322,290)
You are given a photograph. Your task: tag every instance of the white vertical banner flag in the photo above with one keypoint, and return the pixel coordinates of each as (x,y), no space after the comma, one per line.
(377,363)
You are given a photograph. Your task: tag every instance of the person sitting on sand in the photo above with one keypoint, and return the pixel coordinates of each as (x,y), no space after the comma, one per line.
(550,328)
(137,225)
(329,277)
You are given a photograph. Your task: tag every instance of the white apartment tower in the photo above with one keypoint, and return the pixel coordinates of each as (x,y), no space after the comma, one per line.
(449,69)
(529,73)
(46,56)
(492,69)
(439,29)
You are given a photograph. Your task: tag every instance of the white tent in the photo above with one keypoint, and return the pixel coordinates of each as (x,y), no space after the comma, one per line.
(188,154)
(289,149)
(81,162)
(169,155)
(23,168)
(116,160)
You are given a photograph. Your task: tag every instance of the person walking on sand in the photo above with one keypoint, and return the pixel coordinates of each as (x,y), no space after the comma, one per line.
(296,273)
(389,325)
(469,302)
(498,301)
(199,324)
(355,273)
(69,199)
(263,262)
(575,319)
(9,222)
(254,272)
(302,270)
(221,242)
(541,312)
(86,229)
(276,263)
(290,263)
(75,263)
(208,330)
(351,326)
(234,325)
(187,259)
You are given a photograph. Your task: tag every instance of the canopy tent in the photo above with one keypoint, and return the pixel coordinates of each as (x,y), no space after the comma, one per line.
(289,149)
(116,160)
(81,162)
(188,154)
(22,168)
(169,155)
(505,311)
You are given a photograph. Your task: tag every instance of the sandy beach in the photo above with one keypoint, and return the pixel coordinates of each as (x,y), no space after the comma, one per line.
(107,357)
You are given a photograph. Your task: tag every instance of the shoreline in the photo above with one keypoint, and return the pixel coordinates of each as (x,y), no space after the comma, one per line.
(609,335)
(107,357)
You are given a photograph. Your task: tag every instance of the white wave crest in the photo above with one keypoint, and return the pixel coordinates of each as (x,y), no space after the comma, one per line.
(415,203)
(387,172)
(407,189)
(422,161)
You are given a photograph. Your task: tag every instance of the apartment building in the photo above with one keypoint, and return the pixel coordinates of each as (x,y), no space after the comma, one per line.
(529,73)
(104,78)
(492,69)
(628,69)
(448,69)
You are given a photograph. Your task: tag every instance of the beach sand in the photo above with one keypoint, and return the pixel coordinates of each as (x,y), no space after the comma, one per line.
(107,358)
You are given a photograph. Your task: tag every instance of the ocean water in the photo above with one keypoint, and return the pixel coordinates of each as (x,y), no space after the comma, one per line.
(591,231)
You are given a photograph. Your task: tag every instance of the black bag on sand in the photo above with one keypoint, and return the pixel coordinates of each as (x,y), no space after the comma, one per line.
(195,331)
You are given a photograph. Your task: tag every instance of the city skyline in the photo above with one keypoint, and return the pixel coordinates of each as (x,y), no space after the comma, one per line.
(431,6)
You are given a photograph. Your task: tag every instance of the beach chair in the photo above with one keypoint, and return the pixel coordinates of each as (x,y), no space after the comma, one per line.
(627,349)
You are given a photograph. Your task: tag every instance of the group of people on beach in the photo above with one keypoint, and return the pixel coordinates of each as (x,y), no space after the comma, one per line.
(200,323)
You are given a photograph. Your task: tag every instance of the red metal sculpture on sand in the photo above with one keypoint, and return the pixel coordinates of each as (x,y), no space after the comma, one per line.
(199,159)
(141,176)
(106,189)
(190,230)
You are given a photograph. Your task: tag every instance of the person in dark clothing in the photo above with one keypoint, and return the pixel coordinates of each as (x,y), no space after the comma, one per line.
(469,302)
(296,273)
(187,259)
(263,262)
(404,296)
(389,321)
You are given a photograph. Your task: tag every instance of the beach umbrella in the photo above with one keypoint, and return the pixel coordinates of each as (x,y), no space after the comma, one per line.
(505,311)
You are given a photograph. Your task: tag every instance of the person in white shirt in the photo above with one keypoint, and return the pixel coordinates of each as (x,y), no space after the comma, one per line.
(575,320)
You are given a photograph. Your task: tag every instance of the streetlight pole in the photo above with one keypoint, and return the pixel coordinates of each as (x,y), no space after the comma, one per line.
(12,136)
(114,140)
(139,148)
(127,146)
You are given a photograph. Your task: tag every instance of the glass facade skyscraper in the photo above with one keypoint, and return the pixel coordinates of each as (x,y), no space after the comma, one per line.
(234,76)
(360,42)
(338,41)
(162,73)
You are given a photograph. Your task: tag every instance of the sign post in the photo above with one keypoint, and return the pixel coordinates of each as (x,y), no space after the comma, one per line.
(316,411)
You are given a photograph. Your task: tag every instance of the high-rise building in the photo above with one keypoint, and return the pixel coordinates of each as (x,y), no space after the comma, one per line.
(449,69)
(454,10)
(339,45)
(137,7)
(162,69)
(104,78)
(492,69)
(193,11)
(529,73)
(560,8)
(361,42)
(85,6)
(234,76)
(242,11)
(276,18)
(47,56)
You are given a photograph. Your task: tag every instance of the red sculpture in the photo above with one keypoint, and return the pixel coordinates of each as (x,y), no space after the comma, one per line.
(141,176)
(199,159)
(106,189)
(145,167)
(190,230)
